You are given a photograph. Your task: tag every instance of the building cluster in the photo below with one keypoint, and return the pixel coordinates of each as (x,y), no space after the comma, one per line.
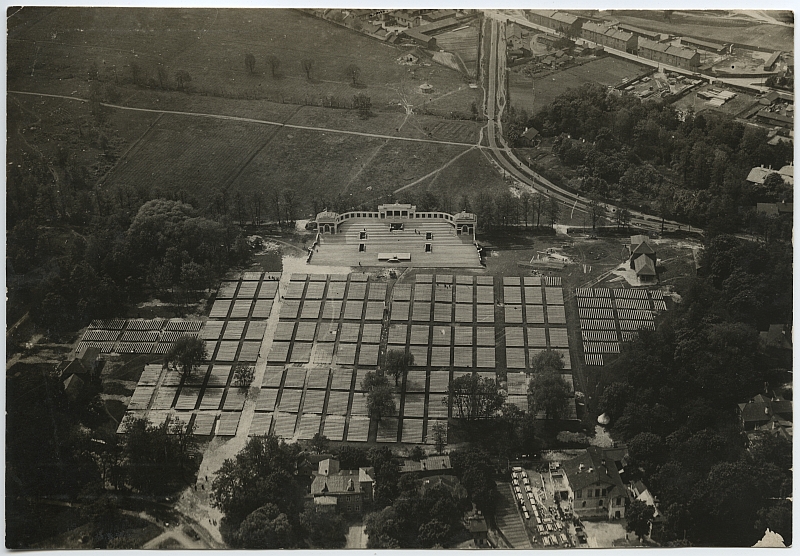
(417,26)
(626,38)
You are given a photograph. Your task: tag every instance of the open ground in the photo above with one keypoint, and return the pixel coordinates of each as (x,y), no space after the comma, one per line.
(534,94)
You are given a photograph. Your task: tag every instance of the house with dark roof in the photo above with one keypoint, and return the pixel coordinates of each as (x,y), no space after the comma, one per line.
(418,38)
(438,15)
(86,365)
(559,21)
(764,410)
(643,258)
(594,487)
(426,467)
(666,53)
(342,490)
(609,36)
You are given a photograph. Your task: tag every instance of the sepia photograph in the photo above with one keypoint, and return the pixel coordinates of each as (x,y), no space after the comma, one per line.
(349,278)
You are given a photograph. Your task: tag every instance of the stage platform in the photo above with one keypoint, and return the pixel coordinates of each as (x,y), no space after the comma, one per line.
(447,250)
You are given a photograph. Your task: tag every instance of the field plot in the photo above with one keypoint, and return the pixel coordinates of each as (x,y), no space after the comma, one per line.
(463,42)
(533,94)
(194,154)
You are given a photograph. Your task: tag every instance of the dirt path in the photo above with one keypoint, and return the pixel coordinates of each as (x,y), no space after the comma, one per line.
(252,121)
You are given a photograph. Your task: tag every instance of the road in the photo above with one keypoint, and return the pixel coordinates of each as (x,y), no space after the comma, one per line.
(502,154)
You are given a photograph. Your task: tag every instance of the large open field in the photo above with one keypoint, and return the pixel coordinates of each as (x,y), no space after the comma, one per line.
(533,95)
(222,137)
(210,45)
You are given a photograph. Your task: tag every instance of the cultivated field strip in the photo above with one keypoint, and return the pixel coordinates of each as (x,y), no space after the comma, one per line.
(608,316)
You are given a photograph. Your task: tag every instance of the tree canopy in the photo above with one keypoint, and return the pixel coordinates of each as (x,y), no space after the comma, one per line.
(186,354)
(261,474)
(676,387)
(475,397)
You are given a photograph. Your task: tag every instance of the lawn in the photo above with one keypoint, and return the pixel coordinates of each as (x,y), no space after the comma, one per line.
(534,94)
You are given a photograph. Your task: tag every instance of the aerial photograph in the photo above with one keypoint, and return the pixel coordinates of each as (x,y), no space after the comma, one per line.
(347,278)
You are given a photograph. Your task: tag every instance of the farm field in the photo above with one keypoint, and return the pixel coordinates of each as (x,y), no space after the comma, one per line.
(463,42)
(533,95)
(210,45)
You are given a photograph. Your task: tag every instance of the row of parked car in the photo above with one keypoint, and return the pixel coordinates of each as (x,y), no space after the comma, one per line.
(550,530)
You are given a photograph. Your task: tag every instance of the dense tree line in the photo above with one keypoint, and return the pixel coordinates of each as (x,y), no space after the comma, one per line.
(167,248)
(690,167)
(263,499)
(674,399)
(421,516)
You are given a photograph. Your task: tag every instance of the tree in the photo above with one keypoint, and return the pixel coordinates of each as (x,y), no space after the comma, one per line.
(647,451)
(182,78)
(351,457)
(265,528)
(380,398)
(550,393)
(547,361)
(638,516)
(596,212)
(250,63)
(324,530)
(163,77)
(382,528)
(474,469)
(263,472)
(397,363)
(614,399)
(416,453)
(474,397)
(243,375)
(353,72)
(274,65)
(319,443)
(308,65)
(363,104)
(156,457)
(380,402)
(623,217)
(136,72)
(186,354)
(439,435)
(433,532)
(553,211)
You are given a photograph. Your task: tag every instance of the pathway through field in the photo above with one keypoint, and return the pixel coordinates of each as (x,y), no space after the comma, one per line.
(255,121)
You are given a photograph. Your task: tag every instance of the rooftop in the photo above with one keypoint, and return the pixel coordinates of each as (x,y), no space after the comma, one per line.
(431,463)
(592,467)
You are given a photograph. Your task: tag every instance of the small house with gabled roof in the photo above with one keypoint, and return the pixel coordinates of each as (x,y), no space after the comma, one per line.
(643,258)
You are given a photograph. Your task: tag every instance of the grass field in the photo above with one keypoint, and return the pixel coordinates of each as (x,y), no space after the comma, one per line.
(533,95)
(210,45)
